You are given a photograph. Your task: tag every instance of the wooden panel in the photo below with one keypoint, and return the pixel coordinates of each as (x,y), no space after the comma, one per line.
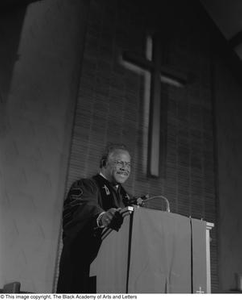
(110,266)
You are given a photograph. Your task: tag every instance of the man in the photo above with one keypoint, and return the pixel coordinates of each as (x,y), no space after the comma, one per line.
(91,205)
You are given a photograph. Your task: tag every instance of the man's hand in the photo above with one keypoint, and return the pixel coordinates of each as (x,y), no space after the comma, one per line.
(112,218)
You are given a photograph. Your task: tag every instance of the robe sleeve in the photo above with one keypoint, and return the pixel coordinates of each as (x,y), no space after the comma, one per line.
(81,208)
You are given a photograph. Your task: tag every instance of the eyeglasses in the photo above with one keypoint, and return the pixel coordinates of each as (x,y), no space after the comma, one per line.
(122,164)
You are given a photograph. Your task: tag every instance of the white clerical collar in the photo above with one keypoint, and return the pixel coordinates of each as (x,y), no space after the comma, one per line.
(101,174)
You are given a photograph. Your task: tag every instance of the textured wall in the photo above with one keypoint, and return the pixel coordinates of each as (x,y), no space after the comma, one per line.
(229,149)
(112,104)
(40,56)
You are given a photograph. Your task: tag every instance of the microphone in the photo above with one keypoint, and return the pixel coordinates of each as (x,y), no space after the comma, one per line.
(136,201)
(141,202)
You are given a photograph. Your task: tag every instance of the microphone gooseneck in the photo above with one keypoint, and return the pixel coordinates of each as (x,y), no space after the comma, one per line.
(141,202)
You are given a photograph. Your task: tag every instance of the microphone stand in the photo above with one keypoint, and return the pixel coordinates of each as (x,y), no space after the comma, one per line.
(141,202)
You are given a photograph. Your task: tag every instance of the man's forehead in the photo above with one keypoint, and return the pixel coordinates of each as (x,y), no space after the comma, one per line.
(118,153)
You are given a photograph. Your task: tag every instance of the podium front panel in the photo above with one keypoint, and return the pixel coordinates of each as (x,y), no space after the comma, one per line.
(160,253)
(110,266)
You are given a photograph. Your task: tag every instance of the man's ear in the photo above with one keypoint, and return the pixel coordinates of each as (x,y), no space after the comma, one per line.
(103,162)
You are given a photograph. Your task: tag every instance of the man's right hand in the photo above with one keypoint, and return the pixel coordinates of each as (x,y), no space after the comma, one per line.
(112,219)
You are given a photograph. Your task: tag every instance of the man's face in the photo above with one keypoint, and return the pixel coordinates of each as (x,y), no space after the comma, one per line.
(118,167)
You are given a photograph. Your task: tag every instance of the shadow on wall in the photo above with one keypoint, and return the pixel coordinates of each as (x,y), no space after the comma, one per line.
(12,13)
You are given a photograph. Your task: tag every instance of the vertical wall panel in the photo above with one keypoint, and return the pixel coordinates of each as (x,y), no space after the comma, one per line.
(40,54)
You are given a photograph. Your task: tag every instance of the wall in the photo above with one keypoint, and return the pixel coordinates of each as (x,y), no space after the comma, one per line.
(41,47)
(228,106)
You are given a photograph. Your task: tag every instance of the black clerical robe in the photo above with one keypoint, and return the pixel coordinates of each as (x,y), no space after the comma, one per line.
(86,199)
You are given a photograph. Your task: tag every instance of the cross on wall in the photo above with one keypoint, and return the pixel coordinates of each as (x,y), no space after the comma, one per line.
(160,74)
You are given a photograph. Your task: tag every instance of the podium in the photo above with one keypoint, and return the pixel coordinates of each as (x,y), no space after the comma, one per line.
(154,252)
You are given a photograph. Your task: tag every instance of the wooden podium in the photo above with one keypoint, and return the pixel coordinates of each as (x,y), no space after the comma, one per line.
(154,252)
